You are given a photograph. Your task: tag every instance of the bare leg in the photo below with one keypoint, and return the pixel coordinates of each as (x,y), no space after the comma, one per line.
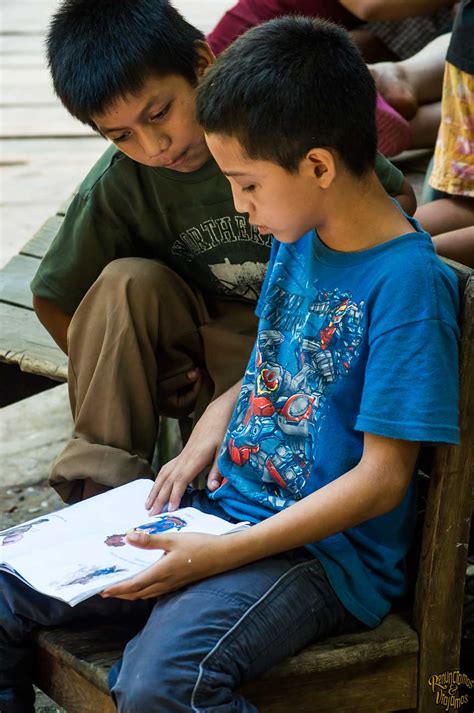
(457,245)
(446,214)
(425,125)
(413,81)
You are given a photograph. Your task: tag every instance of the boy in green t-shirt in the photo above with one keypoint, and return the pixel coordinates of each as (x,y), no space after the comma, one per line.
(151,283)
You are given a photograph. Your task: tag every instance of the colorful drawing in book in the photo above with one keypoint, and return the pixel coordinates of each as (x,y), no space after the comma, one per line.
(162,524)
(86,575)
(16,534)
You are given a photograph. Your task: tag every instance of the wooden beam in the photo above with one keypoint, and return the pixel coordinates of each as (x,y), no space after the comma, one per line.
(439,594)
(15,280)
(42,239)
(26,343)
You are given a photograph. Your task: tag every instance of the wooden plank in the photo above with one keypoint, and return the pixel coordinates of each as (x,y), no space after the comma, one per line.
(387,686)
(32,16)
(18,225)
(15,280)
(440,585)
(37,175)
(69,689)
(51,152)
(25,342)
(42,239)
(48,121)
(72,665)
(62,210)
(19,46)
(26,86)
(27,17)
(377,668)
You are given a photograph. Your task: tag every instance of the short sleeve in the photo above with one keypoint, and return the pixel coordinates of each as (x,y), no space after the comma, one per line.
(86,241)
(389,175)
(411,384)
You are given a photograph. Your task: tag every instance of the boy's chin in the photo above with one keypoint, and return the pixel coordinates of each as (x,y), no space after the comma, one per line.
(287,237)
(190,163)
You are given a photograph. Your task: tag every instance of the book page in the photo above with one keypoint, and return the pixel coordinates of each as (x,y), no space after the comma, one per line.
(81,550)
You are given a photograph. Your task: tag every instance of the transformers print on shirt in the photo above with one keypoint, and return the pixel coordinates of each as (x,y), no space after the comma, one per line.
(309,346)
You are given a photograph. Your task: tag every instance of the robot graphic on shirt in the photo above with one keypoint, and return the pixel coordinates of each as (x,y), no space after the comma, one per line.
(278,416)
(329,351)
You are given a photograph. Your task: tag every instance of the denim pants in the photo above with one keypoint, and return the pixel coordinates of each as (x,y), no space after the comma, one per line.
(197,646)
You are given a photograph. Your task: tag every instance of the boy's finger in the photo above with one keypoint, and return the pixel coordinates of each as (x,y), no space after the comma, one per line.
(176,495)
(142,539)
(157,485)
(214,479)
(161,499)
(152,495)
(164,474)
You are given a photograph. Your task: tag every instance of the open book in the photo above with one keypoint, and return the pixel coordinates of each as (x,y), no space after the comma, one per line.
(77,552)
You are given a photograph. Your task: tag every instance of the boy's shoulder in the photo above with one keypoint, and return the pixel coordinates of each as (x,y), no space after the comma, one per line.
(411,283)
(400,280)
(113,166)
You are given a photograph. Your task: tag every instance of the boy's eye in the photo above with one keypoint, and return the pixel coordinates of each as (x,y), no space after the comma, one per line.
(248,189)
(119,139)
(161,114)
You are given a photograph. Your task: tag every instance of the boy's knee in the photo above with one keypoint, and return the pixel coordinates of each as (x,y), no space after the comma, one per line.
(141,284)
(133,271)
(137,692)
(134,280)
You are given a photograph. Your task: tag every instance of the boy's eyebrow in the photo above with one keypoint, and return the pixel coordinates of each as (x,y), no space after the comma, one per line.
(235,173)
(145,109)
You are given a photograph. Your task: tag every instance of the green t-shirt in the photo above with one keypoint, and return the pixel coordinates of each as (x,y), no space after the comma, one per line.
(186,220)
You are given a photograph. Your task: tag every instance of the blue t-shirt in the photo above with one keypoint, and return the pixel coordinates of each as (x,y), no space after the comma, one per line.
(347,343)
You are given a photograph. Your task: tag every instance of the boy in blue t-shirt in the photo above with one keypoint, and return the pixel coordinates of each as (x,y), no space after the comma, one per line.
(354,365)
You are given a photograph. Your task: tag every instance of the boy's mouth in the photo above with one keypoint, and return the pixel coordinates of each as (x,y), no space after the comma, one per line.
(177,161)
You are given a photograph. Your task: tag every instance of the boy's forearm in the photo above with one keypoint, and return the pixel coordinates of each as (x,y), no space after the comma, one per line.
(225,403)
(53,319)
(365,492)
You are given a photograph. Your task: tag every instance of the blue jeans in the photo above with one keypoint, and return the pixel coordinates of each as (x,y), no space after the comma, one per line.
(198,645)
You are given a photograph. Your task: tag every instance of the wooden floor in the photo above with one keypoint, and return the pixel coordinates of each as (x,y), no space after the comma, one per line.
(44,152)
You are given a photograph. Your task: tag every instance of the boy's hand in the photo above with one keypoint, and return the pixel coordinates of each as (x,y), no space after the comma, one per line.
(188,558)
(201,450)
(185,399)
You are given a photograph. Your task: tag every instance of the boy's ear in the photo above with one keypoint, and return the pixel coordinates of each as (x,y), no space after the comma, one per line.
(321,164)
(205,58)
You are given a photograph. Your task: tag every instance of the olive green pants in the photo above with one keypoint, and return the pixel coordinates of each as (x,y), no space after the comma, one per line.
(132,340)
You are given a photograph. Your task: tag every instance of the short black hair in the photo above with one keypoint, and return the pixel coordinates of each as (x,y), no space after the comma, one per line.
(290,85)
(102,50)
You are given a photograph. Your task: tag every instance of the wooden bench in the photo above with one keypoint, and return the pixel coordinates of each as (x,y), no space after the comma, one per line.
(386,669)
(30,361)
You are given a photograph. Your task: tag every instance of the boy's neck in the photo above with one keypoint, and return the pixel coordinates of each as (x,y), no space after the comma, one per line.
(360,215)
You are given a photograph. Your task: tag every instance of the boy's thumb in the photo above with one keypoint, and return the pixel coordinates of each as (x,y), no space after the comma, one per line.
(139,538)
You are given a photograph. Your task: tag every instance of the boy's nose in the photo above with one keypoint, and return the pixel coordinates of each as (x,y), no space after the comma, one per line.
(241,202)
(153,146)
